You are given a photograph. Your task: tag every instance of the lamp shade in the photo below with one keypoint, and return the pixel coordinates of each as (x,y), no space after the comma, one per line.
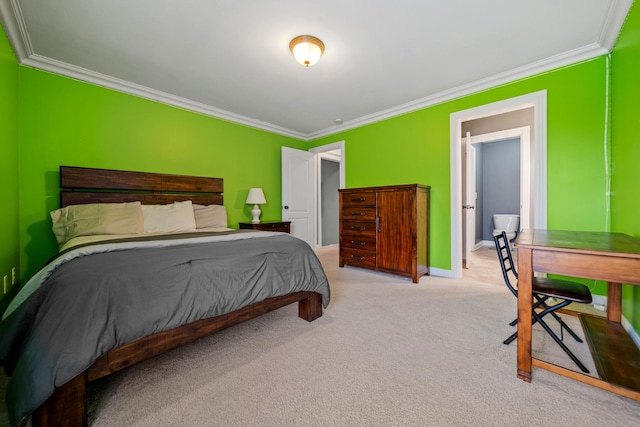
(256,197)
(306,49)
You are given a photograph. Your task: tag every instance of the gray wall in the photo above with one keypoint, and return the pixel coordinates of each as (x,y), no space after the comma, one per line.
(513,119)
(330,182)
(500,181)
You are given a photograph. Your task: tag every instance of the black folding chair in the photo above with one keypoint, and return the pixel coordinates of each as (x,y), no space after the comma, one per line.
(563,291)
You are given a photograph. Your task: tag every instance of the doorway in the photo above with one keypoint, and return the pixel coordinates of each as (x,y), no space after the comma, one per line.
(500,172)
(536,162)
(302,188)
(498,166)
(328,201)
(329,177)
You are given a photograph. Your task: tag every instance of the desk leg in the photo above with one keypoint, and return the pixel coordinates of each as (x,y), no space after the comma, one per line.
(525,275)
(614,301)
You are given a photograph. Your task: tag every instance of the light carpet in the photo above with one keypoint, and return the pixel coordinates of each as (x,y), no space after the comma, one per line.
(386,352)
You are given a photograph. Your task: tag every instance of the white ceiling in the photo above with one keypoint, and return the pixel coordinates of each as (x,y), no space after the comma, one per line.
(231,59)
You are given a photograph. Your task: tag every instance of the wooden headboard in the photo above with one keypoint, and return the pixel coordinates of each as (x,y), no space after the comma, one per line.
(88,185)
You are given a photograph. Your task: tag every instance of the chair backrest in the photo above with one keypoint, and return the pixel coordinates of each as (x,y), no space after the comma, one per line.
(506,260)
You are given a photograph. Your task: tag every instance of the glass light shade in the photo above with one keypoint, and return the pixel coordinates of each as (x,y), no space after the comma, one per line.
(256,197)
(306,49)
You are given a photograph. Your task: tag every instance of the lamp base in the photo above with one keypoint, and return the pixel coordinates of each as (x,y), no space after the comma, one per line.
(256,214)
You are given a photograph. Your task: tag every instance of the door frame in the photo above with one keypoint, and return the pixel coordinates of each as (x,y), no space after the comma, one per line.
(523,134)
(537,100)
(469,199)
(319,152)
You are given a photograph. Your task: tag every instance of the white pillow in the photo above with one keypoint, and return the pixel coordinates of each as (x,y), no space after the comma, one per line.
(97,218)
(172,218)
(210,216)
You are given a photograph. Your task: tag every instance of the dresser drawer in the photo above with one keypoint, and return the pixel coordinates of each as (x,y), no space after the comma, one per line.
(358,199)
(358,258)
(282,226)
(359,242)
(359,213)
(359,228)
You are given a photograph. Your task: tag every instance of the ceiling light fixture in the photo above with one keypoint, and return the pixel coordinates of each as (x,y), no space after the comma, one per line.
(306,49)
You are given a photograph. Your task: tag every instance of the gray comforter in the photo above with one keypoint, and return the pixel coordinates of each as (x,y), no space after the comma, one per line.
(96,302)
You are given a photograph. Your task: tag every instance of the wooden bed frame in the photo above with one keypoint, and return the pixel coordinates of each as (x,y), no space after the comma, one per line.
(68,405)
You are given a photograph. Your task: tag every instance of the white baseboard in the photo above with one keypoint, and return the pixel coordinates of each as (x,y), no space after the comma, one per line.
(599,301)
(632,333)
(440,272)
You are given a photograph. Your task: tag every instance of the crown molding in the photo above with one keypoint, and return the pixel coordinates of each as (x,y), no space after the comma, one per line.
(567,58)
(15,27)
(616,15)
(89,76)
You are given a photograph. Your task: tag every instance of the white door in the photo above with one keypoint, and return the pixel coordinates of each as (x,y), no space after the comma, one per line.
(298,193)
(469,202)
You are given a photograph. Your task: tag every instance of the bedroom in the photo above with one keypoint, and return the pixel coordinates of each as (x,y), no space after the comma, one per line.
(47,120)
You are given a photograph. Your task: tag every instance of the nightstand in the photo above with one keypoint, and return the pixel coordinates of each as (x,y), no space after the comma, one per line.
(284,226)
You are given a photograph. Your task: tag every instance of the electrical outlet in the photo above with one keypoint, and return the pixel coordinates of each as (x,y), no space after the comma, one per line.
(5,283)
(13,276)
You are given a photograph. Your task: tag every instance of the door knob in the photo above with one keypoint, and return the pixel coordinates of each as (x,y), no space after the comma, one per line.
(286,207)
(468,207)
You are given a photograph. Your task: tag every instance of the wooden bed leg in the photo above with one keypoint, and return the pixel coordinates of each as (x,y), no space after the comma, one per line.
(310,308)
(67,407)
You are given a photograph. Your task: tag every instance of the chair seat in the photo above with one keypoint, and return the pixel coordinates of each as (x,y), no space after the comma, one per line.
(572,291)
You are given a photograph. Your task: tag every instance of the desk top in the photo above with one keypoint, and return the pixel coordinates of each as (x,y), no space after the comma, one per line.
(580,241)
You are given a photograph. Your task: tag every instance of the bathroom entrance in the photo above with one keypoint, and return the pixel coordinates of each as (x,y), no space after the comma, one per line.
(496,186)
(498,118)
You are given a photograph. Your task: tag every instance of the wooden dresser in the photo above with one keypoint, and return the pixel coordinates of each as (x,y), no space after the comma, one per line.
(386,229)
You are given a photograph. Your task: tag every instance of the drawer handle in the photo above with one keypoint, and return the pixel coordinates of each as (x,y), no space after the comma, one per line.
(353,242)
(358,213)
(361,258)
(359,228)
(358,199)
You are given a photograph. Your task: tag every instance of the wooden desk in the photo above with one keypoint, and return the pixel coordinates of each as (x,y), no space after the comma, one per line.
(611,257)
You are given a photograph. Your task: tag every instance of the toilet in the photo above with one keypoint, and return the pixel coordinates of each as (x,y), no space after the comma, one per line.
(508,223)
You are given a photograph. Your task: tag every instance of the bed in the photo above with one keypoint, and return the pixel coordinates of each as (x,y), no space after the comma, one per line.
(108,301)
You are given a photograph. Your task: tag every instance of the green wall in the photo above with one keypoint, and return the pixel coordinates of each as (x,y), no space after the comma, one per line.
(67,122)
(63,121)
(9,243)
(415,148)
(625,145)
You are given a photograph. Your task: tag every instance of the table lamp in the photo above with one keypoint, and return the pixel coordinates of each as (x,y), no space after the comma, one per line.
(255,198)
